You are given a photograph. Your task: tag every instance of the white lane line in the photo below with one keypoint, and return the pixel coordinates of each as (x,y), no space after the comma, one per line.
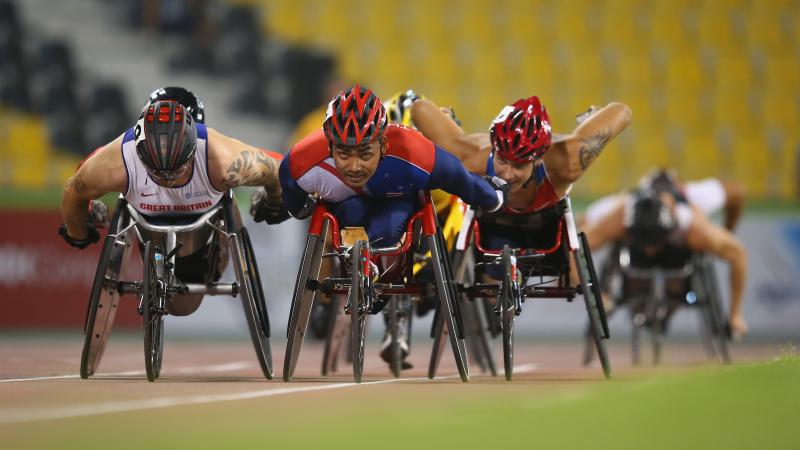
(227,367)
(19,415)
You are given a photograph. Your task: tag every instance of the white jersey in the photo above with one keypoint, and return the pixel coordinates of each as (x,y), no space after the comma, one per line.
(148,197)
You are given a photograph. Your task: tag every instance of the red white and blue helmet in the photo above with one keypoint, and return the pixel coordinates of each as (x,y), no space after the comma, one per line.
(521,132)
(355,116)
(165,137)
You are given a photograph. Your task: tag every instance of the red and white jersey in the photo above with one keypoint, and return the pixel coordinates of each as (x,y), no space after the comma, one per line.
(148,197)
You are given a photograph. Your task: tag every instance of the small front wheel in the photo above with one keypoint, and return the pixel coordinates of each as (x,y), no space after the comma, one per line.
(153,310)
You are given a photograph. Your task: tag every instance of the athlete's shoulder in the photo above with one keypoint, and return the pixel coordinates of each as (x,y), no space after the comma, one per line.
(410,146)
(309,152)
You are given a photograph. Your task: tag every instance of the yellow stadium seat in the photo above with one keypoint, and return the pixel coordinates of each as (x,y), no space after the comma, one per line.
(700,157)
(751,164)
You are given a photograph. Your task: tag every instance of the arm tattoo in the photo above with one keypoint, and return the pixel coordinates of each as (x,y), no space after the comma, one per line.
(592,146)
(253,169)
(79,185)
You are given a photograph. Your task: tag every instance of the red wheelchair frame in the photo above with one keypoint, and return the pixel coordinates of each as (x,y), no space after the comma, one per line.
(361,286)
(520,265)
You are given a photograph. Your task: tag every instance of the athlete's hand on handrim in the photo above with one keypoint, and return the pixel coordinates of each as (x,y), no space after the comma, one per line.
(501,188)
(264,209)
(92,236)
(98,214)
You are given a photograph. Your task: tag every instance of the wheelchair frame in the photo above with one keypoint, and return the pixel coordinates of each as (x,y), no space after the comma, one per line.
(159,282)
(361,287)
(653,309)
(519,266)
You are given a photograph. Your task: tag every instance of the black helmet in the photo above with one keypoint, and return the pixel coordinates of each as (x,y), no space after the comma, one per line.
(649,221)
(166,138)
(183,96)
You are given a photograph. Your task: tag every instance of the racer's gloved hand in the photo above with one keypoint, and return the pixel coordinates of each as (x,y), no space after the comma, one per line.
(501,188)
(264,210)
(98,214)
(307,209)
(580,118)
(92,236)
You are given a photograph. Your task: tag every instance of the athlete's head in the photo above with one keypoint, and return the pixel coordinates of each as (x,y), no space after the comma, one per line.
(659,179)
(185,97)
(650,219)
(519,134)
(355,125)
(398,107)
(166,140)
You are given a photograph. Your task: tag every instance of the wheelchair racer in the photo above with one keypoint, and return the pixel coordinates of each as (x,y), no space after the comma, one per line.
(710,195)
(169,164)
(663,226)
(520,148)
(370,171)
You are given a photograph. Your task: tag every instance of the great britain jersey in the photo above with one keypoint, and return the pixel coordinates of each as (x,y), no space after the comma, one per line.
(148,197)
(411,163)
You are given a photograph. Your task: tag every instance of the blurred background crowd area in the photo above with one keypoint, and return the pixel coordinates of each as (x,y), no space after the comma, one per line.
(714,84)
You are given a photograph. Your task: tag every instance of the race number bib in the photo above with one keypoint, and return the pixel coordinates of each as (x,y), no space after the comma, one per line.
(503,114)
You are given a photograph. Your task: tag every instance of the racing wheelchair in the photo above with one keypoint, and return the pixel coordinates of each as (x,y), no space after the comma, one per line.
(362,281)
(653,288)
(541,271)
(161,240)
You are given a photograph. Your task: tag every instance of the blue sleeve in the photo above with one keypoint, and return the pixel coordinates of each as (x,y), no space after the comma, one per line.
(450,175)
(294,197)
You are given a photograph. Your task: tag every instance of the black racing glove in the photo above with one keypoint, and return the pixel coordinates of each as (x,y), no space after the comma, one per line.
(92,236)
(264,210)
(501,188)
(307,209)
(98,214)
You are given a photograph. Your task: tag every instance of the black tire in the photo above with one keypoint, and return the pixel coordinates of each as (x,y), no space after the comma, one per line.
(337,330)
(714,312)
(102,306)
(592,307)
(595,282)
(440,335)
(636,344)
(447,301)
(472,312)
(358,309)
(393,313)
(483,341)
(253,301)
(302,301)
(152,311)
(507,313)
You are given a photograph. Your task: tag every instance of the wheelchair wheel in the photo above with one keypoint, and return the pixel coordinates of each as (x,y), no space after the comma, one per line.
(717,326)
(472,313)
(507,312)
(302,300)
(358,302)
(253,300)
(592,303)
(440,334)
(102,307)
(338,328)
(447,301)
(152,310)
(398,308)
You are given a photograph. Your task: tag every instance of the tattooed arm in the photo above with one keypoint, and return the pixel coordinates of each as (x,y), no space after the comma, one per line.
(102,173)
(569,158)
(233,163)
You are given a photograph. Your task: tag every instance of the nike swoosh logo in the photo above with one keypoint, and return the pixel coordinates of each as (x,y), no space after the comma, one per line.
(148,195)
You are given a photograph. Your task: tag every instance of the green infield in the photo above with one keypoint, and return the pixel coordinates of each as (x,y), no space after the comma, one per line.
(749,406)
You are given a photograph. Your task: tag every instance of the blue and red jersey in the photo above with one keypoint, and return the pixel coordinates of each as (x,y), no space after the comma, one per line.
(411,163)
